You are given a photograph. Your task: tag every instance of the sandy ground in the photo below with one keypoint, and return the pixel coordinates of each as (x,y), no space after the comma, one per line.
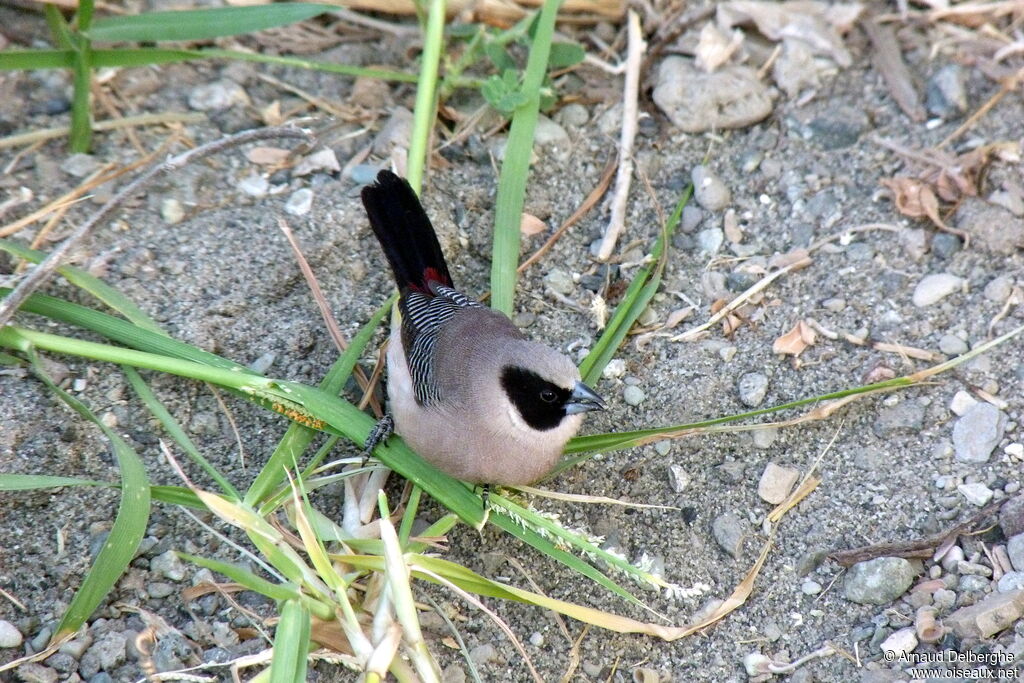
(223,278)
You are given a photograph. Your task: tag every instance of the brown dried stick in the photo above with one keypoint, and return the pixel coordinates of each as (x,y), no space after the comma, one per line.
(922,547)
(38,275)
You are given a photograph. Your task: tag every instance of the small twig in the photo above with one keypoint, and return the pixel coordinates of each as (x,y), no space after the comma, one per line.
(593,198)
(761,284)
(630,112)
(922,547)
(38,275)
(126,122)
(1008,85)
(330,321)
(826,651)
(889,61)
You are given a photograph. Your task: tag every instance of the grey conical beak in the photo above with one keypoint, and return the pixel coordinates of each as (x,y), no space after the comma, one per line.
(583,399)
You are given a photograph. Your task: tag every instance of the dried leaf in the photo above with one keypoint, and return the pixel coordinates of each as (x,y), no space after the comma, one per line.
(677,316)
(271,114)
(915,198)
(796,340)
(531,225)
(267,156)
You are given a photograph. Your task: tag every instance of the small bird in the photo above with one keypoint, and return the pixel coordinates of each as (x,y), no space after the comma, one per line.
(468,391)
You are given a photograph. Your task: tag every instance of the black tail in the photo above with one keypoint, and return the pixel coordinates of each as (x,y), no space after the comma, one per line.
(405,233)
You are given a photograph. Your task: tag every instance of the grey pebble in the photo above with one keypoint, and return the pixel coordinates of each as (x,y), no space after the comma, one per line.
(731,97)
(977,432)
(483,654)
(710,241)
(33,672)
(104,677)
(972,568)
(999,289)
(573,115)
(752,388)
(709,190)
(363,174)
(906,416)
(776,483)
(559,281)
(536,639)
(878,581)
(691,219)
(943,599)
(977,494)
(1010,581)
(678,479)
(1011,516)
(110,650)
(728,530)
(169,566)
(548,133)
(973,584)
(263,363)
(810,587)
(834,305)
(204,422)
(9,635)
(217,95)
(1015,549)
(524,319)
(159,589)
(662,448)
(254,185)
(300,203)
(946,92)
(172,211)
(172,652)
(839,128)
(934,288)
(80,165)
(633,395)
(945,244)
(764,437)
(952,345)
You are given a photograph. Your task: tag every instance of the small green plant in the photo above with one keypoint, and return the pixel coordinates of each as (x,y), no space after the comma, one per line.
(76,48)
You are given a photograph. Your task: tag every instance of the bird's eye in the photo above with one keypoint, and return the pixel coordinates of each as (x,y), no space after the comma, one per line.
(548,395)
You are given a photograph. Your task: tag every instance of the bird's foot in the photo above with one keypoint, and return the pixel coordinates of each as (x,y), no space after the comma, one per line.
(384,428)
(485,496)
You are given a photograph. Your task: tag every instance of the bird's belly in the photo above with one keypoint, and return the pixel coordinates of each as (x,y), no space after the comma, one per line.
(447,438)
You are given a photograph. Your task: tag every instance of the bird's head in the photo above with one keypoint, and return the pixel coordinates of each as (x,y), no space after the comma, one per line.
(544,386)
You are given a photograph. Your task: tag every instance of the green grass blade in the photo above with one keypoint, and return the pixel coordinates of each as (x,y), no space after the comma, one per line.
(291,644)
(550,529)
(201,24)
(639,294)
(83,18)
(155,55)
(121,331)
(19,60)
(81,98)
(31,482)
(58,27)
(298,438)
(545,546)
(516,166)
(426,94)
(12,60)
(175,431)
(129,523)
(91,284)
(177,495)
(274,591)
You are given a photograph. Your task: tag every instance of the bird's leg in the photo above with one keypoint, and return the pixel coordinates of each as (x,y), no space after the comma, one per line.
(485,495)
(378,435)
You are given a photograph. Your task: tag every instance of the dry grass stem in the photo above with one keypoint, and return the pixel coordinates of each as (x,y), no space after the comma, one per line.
(100,126)
(630,114)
